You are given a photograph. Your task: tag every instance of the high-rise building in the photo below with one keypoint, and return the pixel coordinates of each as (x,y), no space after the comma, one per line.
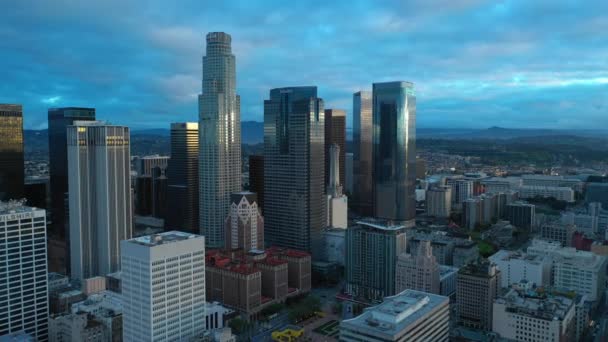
(219,138)
(23,275)
(597,192)
(99,197)
(12,167)
(144,166)
(408,316)
(163,286)
(439,201)
(521,215)
(394,151)
(294,169)
(362,152)
(372,248)
(418,272)
(348,170)
(244,223)
(462,189)
(477,286)
(335,134)
(182,187)
(337,202)
(256,178)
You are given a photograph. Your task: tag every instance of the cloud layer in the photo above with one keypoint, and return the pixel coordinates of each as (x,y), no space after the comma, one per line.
(475,63)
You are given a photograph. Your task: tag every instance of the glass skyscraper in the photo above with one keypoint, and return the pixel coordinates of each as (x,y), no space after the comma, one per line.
(362,152)
(394,151)
(11,152)
(294,169)
(220,138)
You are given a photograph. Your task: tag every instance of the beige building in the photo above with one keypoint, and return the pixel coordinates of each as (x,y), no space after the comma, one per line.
(418,272)
(439,201)
(477,286)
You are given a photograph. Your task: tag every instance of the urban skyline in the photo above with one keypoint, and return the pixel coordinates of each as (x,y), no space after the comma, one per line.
(505,68)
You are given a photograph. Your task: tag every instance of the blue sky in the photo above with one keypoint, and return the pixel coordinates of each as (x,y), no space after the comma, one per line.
(541,63)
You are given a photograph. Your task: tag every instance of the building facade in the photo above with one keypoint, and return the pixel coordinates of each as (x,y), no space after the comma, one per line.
(335,134)
(418,272)
(516,266)
(559,193)
(294,169)
(182,187)
(163,286)
(99,196)
(477,286)
(23,276)
(362,152)
(256,178)
(244,224)
(219,138)
(394,151)
(12,174)
(439,201)
(337,202)
(521,215)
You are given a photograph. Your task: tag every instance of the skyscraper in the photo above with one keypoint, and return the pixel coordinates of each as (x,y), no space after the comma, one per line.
(100,196)
(477,286)
(183,187)
(11,152)
(337,202)
(23,274)
(362,152)
(219,138)
(439,201)
(294,169)
(335,133)
(59,233)
(394,151)
(244,224)
(163,287)
(256,178)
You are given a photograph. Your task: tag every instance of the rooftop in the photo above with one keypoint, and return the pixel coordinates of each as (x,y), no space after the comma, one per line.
(15,207)
(505,255)
(537,303)
(396,313)
(163,238)
(381,224)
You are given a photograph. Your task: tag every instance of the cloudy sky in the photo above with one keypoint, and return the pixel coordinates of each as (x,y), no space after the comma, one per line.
(541,63)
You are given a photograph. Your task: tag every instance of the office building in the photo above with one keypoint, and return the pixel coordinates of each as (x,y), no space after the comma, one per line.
(23,275)
(556,231)
(447,280)
(580,271)
(553,181)
(144,166)
(12,165)
(163,286)
(59,120)
(337,202)
(256,178)
(348,183)
(559,193)
(394,151)
(335,249)
(36,191)
(99,197)
(462,189)
(408,316)
(464,252)
(335,134)
(362,152)
(597,192)
(294,169)
(585,223)
(439,201)
(534,315)
(501,184)
(151,185)
(477,286)
(219,138)
(75,327)
(372,248)
(244,224)
(521,214)
(418,272)
(516,267)
(182,187)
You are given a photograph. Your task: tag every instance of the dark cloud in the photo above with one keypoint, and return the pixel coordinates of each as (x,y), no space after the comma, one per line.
(475,63)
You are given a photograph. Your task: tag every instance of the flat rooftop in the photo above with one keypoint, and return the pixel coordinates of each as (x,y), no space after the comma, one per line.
(163,238)
(538,305)
(15,207)
(381,224)
(396,313)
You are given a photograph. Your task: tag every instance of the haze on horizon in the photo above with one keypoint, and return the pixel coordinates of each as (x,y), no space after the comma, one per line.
(475,64)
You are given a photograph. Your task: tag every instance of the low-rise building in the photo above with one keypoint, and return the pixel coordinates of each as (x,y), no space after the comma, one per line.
(516,267)
(76,327)
(558,232)
(408,316)
(553,181)
(559,193)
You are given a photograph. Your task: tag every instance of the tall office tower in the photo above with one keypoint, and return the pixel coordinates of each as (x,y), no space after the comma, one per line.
(219,138)
(394,151)
(439,201)
(256,178)
(182,188)
(348,171)
(462,189)
(362,152)
(163,287)
(408,316)
(521,215)
(418,272)
(11,152)
(23,275)
(244,224)
(151,188)
(146,164)
(477,286)
(99,197)
(337,202)
(335,134)
(372,248)
(294,169)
